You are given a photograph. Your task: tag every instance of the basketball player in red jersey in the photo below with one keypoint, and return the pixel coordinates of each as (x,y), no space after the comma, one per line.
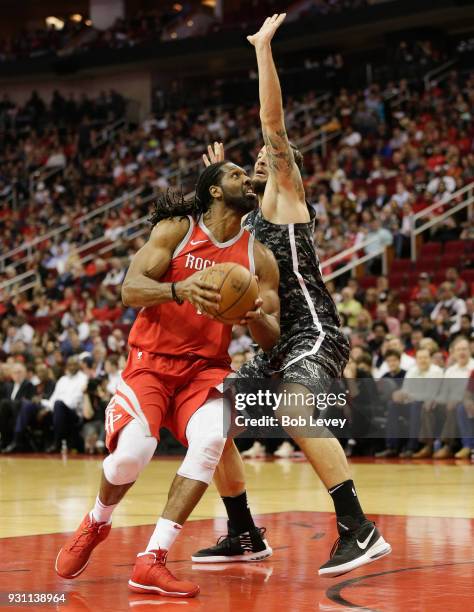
(178,360)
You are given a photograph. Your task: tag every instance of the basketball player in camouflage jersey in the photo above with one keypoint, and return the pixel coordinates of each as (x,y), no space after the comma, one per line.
(312,350)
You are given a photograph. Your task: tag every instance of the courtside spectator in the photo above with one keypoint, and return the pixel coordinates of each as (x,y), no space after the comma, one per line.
(66,404)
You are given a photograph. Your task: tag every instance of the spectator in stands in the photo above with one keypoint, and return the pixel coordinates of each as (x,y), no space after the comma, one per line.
(66,403)
(14,392)
(238,360)
(392,323)
(451,397)
(380,238)
(453,307)
(112,370)
(465,417)
(466,328)
(375,343)
(363,326)
(459,285)
(116,274)
(420,388)
(116,342)
(31,415)
(364,401)
(392,381)
(406,361)
(241,341)
(349,306)
(96,399)
(423,286)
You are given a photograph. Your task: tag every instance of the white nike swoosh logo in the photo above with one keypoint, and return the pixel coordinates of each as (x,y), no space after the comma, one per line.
(363,545)
(194,242)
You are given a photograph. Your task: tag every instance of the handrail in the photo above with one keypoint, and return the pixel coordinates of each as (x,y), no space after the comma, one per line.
(438,70)
(416,231)
(108,130)
(322,141)
(309,106)
(27,246)
(18,278)
(42,174)
(357,262)
(108,205)
(349,251)
(426,211)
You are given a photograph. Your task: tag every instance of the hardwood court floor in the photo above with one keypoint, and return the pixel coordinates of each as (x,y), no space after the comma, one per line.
(425,510)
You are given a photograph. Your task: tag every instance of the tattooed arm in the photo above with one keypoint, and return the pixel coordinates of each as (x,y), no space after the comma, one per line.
(284,199)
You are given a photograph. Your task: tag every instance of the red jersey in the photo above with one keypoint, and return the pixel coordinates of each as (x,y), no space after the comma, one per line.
(171,329)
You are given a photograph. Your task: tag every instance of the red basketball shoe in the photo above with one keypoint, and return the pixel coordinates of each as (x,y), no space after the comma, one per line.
(150,575)
(74,556)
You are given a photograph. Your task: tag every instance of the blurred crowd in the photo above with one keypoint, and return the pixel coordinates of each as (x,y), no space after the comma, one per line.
(79,35)
(380,164)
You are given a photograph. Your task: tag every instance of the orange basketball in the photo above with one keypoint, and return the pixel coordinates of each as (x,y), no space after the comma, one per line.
(237,287)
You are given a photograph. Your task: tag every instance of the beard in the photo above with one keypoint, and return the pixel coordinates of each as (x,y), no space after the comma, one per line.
(259,185)
(241,203)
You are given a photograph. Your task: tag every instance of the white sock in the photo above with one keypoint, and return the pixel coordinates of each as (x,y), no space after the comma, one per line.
(101,513)
(165,534)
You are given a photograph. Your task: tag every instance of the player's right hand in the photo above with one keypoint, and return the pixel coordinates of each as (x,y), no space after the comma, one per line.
(214,155)
(204,296)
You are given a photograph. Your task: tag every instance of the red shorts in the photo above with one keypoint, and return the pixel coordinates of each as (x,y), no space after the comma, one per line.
(161,391)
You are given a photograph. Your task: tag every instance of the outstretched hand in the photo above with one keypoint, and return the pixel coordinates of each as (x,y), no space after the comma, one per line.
(267,31)
(214,155)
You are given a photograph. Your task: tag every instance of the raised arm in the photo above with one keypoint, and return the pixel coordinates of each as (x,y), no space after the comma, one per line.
(264,321)
(142,288)
(284,175)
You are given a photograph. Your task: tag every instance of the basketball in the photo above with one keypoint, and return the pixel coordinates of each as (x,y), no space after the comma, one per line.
(238,289)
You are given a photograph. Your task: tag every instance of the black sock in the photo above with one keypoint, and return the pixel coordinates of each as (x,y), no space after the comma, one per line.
(346,501)
(240,518)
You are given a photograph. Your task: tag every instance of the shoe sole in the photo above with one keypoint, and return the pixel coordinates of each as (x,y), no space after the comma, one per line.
(144,588)
(258,556)
(380,549)
(71,576)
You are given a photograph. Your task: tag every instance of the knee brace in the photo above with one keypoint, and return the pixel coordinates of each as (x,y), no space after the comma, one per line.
(202,458)
(205,436)
(120,469)
(134,451)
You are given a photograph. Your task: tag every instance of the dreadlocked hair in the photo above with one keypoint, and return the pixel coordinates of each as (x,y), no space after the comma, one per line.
(174,204)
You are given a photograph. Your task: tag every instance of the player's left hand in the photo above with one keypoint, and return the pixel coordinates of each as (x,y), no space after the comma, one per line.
(255,314)
(267,31)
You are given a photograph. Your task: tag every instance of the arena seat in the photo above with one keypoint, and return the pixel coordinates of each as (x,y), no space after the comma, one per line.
(368,281)
(402,266)
(468,275)
(396,280)
(454,247)
(431,249)
(427,264)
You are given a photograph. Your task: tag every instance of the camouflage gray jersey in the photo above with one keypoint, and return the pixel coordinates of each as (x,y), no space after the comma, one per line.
(309,321)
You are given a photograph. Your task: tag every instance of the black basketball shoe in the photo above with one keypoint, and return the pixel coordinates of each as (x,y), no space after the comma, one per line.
(356,546)
(248,546)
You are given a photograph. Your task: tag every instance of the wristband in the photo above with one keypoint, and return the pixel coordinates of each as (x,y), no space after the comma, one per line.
(174,295)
